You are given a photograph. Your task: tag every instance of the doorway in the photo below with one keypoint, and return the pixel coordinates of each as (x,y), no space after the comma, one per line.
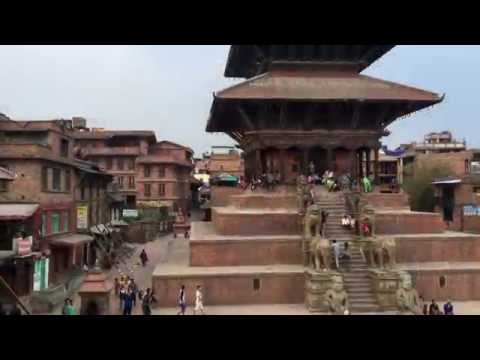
(448,203)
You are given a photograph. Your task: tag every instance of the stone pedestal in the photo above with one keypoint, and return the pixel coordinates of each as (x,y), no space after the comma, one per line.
(316,285)
(95,294)
(385,285)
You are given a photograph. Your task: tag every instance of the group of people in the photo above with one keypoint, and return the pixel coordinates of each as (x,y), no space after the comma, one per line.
(348,222)
(266,180)
(128,292)
(434,309)
(182,301)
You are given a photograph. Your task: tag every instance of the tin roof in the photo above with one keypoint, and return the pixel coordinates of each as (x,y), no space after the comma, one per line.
(99,135)
(323,85)
(72,239)
(17,211)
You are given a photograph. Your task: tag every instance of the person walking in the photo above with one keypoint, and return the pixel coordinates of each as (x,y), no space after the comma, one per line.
(128,302)
(147,300)
(198,301)
(182,301)
(143,257)
(448,308)
(134,288)
(123,294)
(336,253)
(433,309)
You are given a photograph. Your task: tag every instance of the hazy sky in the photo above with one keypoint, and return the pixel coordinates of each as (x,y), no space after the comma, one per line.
(169,88)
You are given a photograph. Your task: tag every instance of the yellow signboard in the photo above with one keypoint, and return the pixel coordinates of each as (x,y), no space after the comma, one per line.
(82,217)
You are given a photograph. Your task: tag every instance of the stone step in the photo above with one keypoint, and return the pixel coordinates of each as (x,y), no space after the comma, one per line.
(359,289)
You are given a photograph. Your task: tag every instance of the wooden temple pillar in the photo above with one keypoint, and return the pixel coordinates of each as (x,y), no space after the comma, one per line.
(330,158)
(283,165)
(258,163)
(360,163)
(376,168)
(305,152)
(367,161)
(353,163)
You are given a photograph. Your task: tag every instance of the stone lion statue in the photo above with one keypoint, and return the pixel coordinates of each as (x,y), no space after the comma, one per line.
(313,219)
(319,251)
(336,298)
(407,297)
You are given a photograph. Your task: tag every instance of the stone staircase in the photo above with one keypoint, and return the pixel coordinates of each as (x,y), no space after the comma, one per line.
(354,271)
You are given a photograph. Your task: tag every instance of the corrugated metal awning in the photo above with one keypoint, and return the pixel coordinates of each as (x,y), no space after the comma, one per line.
(445,182)
(72,239)
(17,211)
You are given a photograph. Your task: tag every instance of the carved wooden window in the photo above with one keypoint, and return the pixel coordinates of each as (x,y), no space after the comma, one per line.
(57,176)
(146,171)
(131,164)
(109,163)
(161,189)
(120,164)
(161,171)
(147,190)
(68,180)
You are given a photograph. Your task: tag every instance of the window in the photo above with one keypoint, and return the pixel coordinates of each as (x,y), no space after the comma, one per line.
(120,164)
(131,182)
(146,171)
(120,182)
(256,284)
(44,225)
(109,163)
(55,219)
(131,164)
(3,185)
(147,190)
(161,189)
(467,166)
(442,281)
(68,180)
(161,171)
(44,178)
(82,193)
(66,221)
(57,176)
(175,207)
(64,148)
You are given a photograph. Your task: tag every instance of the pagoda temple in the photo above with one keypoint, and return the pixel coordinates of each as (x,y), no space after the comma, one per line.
(302,104)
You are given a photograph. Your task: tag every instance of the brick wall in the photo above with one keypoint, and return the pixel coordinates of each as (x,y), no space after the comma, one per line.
(409,223)
(235,253)
(234,289)
(438,248)
(248,223)
(220,194)
(378,200)
(460,285)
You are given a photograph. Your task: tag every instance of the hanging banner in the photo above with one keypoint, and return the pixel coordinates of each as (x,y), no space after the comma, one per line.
(82,217)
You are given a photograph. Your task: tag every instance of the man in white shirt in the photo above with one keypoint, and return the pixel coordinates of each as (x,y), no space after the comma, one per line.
(336,253)
(198,301)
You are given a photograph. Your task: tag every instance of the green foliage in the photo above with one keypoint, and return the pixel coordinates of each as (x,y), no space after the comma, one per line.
(419,185)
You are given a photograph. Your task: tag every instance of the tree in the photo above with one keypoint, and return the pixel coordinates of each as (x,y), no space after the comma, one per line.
(419,186)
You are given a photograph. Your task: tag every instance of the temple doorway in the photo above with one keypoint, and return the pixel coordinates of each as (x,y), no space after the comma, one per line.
(318,156)
(293,164)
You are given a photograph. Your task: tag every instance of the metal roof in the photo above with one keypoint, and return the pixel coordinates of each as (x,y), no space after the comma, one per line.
(17,211)
(72,239)
(323,86)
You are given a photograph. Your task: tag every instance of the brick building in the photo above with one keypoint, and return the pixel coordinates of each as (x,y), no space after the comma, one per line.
(116,152)
(459,191)
(164,176)
(47,189)
(145,171)
(222,159)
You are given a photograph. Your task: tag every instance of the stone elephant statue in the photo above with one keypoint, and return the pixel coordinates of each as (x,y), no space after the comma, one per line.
(379,248)
(319,253)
